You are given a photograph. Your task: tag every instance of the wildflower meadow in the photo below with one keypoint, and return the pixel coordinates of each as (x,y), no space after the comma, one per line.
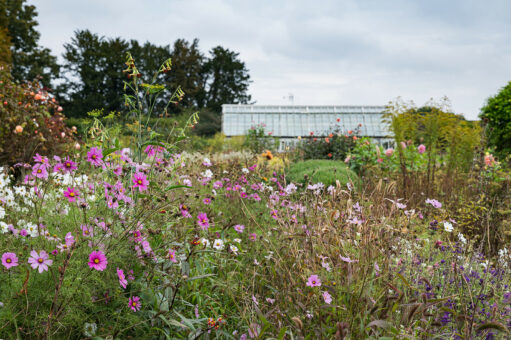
(127,232)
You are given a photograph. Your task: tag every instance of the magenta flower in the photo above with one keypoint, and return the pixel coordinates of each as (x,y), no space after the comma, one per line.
(274,214)
(97,260)
(68,165)
(9,260)
(172,255)
(206,201)
(39,171)
(389,152)
(327,297)
(252,237)
(184,211)
(203,221)
(41,159)
(94,156)
(313,281)
(140,181)
(71,194)
(239,228)
(421,148)
(39,261)
(122,279)
(134,303)
(86,230)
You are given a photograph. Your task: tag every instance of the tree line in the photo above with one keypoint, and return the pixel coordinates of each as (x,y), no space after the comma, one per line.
(90,75)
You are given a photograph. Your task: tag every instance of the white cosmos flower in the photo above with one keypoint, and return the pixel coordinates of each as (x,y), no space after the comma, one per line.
(218,244)
(448,227)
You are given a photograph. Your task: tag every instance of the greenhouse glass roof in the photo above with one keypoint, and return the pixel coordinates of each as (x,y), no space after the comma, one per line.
(294,120)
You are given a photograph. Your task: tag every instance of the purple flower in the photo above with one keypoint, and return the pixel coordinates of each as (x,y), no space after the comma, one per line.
(122,279)
(71,194)
(239,228)
(434,203)
(134,303)
(97,260)
(327,297)
(39,171)
(39,260)
(314,281)
(94,156)
(140,181)
(9,260)
(203,221)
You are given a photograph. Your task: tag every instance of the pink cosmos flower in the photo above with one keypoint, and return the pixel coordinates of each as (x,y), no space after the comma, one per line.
(327,297)
(70,240)
(9,260)
(172,255)
(39,171)
(86,230)
(274,214)
(314,281)
(97,260)
(239,228)
(252,237)
(71,194)
(68,165)
(217,185)
(206,201)
(94,156)
(203,221)
(122,279)
(421,148)
(134,303)
(41,159)
(389,152)
(140,181)
(39,261)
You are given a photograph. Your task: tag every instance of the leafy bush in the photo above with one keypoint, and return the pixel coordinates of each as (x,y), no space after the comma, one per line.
(324,171)
(31,122)
(257,141)
(497,116)
(334,144)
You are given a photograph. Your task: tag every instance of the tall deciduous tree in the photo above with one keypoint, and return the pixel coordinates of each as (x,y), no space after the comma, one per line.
(225,80)
(93,73)
(28,59)
(497,114)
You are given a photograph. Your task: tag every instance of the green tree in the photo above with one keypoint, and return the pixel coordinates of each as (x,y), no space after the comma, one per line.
(93,73)
(28,59)
(497,115)
(5,47)
(225,80)
(187,61)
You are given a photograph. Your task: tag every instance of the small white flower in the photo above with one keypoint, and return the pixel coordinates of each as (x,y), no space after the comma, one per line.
(89,329)
(245,170)
(234,249)
(462,238)
(448,227)
(218,244)
(204,241)
(237,240)
(3,227)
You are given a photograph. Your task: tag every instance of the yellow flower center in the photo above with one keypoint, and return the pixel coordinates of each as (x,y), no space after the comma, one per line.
(93,156)
(40,260)
(96,261)
(39,171)
(72,194)
(134,304)
(139,181)
(8,260)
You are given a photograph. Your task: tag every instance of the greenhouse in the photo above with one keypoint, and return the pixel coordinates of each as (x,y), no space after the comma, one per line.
(292,121)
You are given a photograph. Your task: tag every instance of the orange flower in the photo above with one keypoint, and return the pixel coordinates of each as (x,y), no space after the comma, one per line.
(18,129)
(329,155)
(268,155)
(350,132)
(327,140)
(331,135)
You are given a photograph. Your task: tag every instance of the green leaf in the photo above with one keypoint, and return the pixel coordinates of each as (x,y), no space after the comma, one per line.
(200,277)
(282,333)
(492,325)
(172,187)
(404,280)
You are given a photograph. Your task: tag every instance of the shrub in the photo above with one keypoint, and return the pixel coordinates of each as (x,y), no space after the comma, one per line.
(31,122)
(334,144)
(324,171)
(497,115)
(256,140)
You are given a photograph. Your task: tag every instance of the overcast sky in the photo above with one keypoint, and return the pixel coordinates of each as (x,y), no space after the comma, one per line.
(323,52)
